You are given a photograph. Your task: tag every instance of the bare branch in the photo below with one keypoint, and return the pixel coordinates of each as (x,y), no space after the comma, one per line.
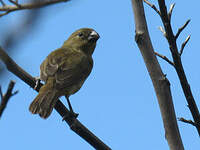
(6,97)
(164,58)
(152,6)
(184,43)
(178,62)
(170,11)
(182,28)
(188,121)
(17,6)
(73,123)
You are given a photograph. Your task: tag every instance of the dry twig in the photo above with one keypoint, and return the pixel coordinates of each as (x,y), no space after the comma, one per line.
(183,45)
(164,58)
(182,28)
(10,8)
(5,98)
(188,121)
(152,6)
(170,11)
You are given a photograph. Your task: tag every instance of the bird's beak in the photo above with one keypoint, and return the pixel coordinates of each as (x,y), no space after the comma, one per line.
(93,37)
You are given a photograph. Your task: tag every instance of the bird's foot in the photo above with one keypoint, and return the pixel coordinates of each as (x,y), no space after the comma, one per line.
(71,114)
(37,82)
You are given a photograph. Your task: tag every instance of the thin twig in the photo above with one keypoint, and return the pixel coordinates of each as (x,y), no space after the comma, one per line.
(32,5)
(5,13)
(183,45)
(3,4)
(188,121)
(152,6)
(164,58)
(73,123)
(6,97)
(15,3)
(162,30)
(182,28)
(170,11)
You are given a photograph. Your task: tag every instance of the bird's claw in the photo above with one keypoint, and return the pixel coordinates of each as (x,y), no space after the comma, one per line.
(37,82)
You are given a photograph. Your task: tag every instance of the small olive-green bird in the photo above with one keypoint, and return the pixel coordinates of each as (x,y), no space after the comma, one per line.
(65,70)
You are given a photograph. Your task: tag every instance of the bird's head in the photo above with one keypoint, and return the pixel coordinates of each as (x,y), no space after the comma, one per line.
(84,39)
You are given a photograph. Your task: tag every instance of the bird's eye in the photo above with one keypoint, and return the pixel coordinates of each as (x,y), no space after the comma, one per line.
(80,34)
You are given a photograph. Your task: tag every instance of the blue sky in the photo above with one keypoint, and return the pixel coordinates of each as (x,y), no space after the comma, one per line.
(117,102)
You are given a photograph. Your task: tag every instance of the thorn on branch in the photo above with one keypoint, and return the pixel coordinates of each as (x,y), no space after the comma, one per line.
(188,121)
(183,45)
(5,98)
(182,28)
(164,58)
(170,11)
(152,6)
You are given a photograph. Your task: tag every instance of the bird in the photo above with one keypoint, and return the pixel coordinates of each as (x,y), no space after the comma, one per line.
(64,71)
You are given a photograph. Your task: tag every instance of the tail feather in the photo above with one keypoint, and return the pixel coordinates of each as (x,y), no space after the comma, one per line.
(44,103)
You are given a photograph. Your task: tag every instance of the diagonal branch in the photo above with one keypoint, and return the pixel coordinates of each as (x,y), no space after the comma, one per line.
(164,58)
(183,45)
(170,11)
(182,28)
(159,80)
(32,5)
(152,6)
(5,98)
(73,123)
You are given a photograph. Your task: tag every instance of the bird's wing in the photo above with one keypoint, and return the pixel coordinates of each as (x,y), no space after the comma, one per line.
(67,66)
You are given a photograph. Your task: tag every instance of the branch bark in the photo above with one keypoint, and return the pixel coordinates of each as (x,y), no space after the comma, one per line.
(73,123)
(160,82)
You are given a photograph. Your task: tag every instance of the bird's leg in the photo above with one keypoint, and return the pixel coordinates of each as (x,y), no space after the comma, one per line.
(72,113)
(37,82)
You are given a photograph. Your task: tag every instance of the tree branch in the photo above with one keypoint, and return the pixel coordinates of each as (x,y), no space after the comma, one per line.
(152,6)
(160,82)
(73,123)
(182,28)
(164,58)
(32,5)
(178,63)
(187,121)
(183,45)
(5,98)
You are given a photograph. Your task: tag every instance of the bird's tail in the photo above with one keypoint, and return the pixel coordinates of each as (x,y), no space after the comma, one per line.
(45,101)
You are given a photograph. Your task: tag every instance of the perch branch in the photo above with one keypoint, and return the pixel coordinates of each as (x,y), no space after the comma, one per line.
(73,123)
